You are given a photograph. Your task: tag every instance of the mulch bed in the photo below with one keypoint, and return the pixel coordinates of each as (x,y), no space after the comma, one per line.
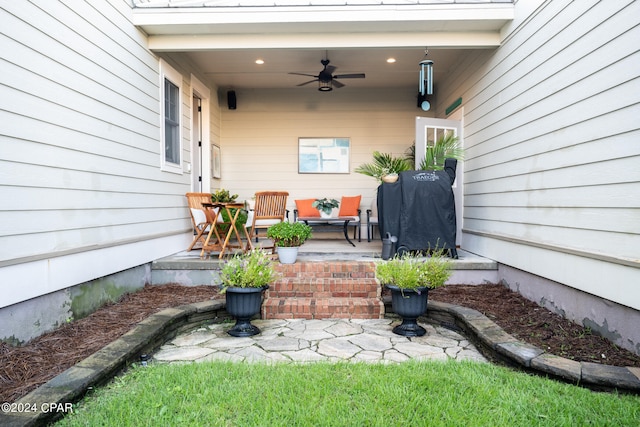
(25,368)
(535,325)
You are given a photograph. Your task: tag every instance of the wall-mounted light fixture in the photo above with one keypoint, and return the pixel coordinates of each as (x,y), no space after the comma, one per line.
(426,82)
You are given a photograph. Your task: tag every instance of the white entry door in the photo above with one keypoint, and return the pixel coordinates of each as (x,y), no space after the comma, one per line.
(428,130)
(196,145)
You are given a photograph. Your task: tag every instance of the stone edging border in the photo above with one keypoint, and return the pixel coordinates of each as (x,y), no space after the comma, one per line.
(148,335)
(104,364)
(499,346)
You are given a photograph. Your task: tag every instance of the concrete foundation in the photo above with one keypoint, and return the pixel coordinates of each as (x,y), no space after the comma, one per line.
(617,323)
(22,322)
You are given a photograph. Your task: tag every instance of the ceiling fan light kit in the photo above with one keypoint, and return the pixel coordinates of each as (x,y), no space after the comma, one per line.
(324,86)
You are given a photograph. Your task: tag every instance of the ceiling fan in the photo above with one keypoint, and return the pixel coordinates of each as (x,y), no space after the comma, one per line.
(326,78)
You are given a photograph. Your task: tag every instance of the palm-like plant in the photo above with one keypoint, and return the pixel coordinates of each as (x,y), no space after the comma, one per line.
(383,164)
(447,146)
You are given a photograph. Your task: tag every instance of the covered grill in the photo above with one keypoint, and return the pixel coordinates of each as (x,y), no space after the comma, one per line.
(419,209)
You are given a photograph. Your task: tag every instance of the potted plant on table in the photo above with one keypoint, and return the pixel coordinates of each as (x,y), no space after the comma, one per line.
(287,237)
(244,278)
(409,279)
(384,168)
(224,196)
(325,206)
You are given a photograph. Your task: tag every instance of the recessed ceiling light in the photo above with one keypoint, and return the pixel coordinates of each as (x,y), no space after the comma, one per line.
(259,61)
(391,60)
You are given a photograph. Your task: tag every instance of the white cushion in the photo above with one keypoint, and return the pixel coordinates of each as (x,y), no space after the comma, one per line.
(354,219)
(266,222)
(198,215)
(260,222)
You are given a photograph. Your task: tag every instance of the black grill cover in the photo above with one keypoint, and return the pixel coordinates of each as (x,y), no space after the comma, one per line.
(420,209)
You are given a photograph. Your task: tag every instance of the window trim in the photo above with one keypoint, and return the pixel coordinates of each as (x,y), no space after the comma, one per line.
(167,72)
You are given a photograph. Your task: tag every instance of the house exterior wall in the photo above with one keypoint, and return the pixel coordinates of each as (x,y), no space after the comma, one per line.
(552,183)
(551,176)
(260,139)
(83,195)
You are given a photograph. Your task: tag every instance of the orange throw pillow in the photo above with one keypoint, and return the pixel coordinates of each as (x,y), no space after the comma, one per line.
(349,206)
(305,209)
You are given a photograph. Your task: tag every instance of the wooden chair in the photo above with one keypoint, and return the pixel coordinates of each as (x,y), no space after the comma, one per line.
(270,208)
(201,218)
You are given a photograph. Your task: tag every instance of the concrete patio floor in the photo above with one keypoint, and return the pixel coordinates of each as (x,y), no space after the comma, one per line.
(329,340)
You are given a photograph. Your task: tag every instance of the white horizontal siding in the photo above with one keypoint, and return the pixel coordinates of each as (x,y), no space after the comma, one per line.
(608,280)
(71,58)
(541,92)
(551,128)
(603,138)
(260,139)
(618,195)
(615,220)
(79,145)
(606,172)
(42,277)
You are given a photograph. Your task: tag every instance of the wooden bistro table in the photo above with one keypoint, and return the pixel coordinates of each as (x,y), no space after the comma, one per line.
(217,240)
(333,221)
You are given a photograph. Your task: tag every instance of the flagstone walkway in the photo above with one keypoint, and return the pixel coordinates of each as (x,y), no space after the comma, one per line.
(318,340)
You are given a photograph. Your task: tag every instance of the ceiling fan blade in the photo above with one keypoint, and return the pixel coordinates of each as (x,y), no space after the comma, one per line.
(302,74)
(349,76)
(330,69)
(337,84)
(306,83)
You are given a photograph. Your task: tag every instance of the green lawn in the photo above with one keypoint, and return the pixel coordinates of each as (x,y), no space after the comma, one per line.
(347,394)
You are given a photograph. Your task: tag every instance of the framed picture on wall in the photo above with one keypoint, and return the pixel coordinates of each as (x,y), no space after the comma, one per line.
(216,168)
(323,155)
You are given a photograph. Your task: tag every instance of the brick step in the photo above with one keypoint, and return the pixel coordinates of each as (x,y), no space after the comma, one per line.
(328,269)
(323,308)
(324,288)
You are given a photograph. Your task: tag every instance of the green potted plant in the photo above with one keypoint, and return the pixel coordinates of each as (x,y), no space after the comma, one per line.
(287,237)
(384,168)
(244,278)
(224,196)
(325,206)
(409,279)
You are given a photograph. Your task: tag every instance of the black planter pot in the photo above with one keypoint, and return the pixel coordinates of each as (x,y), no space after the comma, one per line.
(409,304)
(243,304)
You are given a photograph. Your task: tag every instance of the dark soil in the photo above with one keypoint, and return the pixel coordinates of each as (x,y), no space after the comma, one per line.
(25,368)
(535,325)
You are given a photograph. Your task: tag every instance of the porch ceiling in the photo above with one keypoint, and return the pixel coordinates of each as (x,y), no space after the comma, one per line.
(224,41)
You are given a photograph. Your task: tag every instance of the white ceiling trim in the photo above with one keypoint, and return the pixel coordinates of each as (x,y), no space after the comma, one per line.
(458,40)
(161,20)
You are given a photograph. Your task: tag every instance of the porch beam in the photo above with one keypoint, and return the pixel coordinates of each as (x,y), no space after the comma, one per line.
(458,40)
(492,16)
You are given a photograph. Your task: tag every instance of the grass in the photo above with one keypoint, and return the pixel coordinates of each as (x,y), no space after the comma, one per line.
(346,394)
